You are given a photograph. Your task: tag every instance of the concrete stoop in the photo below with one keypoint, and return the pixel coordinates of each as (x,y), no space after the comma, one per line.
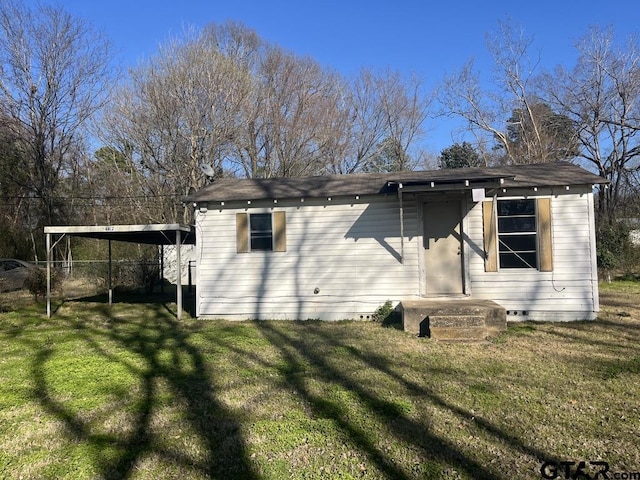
(453,319)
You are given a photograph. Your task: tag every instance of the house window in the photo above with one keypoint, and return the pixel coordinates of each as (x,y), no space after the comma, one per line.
(261,232)
(517,233)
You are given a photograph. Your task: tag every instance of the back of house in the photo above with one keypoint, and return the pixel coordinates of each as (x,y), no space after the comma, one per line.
(338,247)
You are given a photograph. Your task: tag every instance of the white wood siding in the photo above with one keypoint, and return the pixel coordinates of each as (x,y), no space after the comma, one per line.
(348,250)
(567,293)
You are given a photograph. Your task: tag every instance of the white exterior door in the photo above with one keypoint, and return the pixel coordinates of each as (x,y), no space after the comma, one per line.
(442,247)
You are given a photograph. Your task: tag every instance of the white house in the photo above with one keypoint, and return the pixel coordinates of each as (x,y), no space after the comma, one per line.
(338,247)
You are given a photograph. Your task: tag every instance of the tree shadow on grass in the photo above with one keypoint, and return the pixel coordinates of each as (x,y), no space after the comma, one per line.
(619,338)
(163,354)
(587,333)
(297,352)
(167,299)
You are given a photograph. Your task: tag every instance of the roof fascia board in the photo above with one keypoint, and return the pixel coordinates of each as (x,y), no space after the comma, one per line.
(151,234)
(435,186)
(153,227)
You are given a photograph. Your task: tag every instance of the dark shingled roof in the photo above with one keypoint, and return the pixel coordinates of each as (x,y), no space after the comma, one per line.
(534,175)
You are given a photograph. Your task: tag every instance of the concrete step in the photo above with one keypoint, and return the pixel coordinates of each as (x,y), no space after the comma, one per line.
(456,320)
(458,334)
(453,319)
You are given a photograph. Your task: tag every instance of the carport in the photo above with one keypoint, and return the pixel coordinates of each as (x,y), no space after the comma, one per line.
(150,234)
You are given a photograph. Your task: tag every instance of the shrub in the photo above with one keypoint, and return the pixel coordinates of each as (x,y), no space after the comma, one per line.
(36,281)
(385,314)
(616,253)
(146,274)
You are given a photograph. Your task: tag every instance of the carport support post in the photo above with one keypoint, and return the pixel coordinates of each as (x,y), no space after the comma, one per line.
(48,275)
(401,223)
(109,275)
(179,282)
(161,268)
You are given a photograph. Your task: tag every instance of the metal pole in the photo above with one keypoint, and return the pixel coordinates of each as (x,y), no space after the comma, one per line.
(48,275)
(401,223)
(179,283)
(161,268)
(109,280)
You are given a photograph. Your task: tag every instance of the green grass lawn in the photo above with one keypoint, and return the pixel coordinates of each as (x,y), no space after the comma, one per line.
(129,392)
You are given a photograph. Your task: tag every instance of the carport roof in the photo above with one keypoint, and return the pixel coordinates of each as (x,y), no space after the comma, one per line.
(152,234)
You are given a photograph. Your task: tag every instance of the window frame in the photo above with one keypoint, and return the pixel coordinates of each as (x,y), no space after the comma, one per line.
(248,237)
(260,238)
(544,235)
(517,226)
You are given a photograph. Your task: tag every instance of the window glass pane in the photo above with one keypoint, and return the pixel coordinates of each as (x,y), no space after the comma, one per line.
(516,224)
(520,260)
(260,222)
(261,243)
(261,236)
(518,243)
(517,236)
(516,207)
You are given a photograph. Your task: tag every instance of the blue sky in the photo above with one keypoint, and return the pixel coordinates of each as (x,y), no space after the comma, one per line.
(412,36)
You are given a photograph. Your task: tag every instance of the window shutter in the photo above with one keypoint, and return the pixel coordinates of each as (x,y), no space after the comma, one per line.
(242,232)
(543,206)
(490,238)
(279,232)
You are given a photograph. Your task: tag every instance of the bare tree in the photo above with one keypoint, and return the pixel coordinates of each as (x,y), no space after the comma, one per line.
(223,97)
(461,95)
(406,107)
(382,110)
(304,120)
(510,117)
(53,78)
(601,95)
(179,112)
(14,205)
(290,127)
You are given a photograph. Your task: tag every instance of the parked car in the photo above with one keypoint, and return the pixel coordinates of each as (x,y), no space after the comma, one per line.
(14,273)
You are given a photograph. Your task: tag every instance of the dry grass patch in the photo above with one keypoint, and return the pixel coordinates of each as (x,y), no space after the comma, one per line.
(129,392)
